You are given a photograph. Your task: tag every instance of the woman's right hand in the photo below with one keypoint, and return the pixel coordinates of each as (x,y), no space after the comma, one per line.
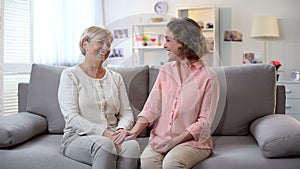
(111,136)
(108,134)
(122,135)
(130,135)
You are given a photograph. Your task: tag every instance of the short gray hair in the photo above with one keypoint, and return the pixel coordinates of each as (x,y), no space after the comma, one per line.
(92,32)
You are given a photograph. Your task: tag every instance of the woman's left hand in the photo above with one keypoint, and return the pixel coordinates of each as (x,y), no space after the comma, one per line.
(162,145)
(119,136)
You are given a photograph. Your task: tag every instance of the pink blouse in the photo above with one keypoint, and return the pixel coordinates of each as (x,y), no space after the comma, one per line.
(183,99)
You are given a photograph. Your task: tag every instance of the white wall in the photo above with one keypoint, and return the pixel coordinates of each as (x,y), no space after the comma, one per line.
(234,15)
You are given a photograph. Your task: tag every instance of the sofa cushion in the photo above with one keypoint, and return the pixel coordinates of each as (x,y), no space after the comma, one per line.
(277,135)
(250,94)
(136,80)
(242,152)
(17,128)
(42,95)
(41,152)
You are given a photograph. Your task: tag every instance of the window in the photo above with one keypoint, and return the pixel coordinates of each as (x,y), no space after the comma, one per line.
(39,31)
(58,25)
(16,54)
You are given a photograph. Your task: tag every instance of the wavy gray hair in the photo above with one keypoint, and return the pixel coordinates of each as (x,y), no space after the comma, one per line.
(187,32)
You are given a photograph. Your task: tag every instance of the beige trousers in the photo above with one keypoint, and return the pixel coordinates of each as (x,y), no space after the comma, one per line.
(179,157)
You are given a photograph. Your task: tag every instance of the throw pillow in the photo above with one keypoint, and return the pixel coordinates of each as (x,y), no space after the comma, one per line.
(277,135)
(17,128)
(136,81)
(42,95)
(248,93)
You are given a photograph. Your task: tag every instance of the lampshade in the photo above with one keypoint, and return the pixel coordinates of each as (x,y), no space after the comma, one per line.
(264,26)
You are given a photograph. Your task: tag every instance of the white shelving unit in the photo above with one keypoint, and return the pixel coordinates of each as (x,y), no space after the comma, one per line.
(149,52)
(208,17)
(154,53)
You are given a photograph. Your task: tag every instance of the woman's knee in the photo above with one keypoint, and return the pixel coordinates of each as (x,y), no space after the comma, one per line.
(149,163)
(172,163)
(104,144)
(151,159)
(104,153)
(184,157)
(130,148)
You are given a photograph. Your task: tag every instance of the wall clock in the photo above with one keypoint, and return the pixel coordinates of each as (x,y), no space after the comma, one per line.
(161,7)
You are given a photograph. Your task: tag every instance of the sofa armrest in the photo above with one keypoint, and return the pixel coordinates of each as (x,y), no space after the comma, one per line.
(280,99)
(22,96)
(277,135)
(19,127)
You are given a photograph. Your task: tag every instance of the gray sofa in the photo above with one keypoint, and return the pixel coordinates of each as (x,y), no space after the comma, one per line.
(250,130)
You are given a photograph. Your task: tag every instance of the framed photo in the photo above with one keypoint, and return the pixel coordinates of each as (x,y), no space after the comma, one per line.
(251,58)
(233,36)
(116,53)
(120,33)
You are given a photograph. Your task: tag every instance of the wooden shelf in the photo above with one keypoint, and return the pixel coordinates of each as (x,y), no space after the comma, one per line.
(151,24)
(148,47)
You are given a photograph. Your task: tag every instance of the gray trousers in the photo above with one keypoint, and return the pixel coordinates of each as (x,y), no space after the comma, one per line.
(100,151)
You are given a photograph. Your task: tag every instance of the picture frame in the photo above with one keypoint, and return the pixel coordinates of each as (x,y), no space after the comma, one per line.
(233,36)
(250,57)
(120,33)
(116,53)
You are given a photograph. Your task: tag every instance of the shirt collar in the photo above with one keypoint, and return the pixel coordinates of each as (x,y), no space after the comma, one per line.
(196,65)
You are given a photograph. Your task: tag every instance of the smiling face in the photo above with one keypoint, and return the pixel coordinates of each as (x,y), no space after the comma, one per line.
(97,48)
(172,45)
(95,44)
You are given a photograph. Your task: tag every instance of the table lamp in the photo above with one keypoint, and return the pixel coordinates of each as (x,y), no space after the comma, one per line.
(263,27)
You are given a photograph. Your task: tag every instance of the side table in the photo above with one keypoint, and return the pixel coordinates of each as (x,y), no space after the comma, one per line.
(292,89)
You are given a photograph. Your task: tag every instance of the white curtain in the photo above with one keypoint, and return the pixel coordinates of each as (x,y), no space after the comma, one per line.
(58,25)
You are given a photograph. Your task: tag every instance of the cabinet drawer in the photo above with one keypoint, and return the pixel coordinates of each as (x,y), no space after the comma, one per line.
(292,90)
(292,106)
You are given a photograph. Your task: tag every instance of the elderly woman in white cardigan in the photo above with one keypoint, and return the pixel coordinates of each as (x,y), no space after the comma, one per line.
(95,105)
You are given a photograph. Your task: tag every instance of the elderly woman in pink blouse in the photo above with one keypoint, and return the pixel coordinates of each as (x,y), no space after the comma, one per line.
(184,98)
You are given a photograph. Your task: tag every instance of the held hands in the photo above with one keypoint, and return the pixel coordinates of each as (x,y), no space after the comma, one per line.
(122,135)
(119,136)
(110,135)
